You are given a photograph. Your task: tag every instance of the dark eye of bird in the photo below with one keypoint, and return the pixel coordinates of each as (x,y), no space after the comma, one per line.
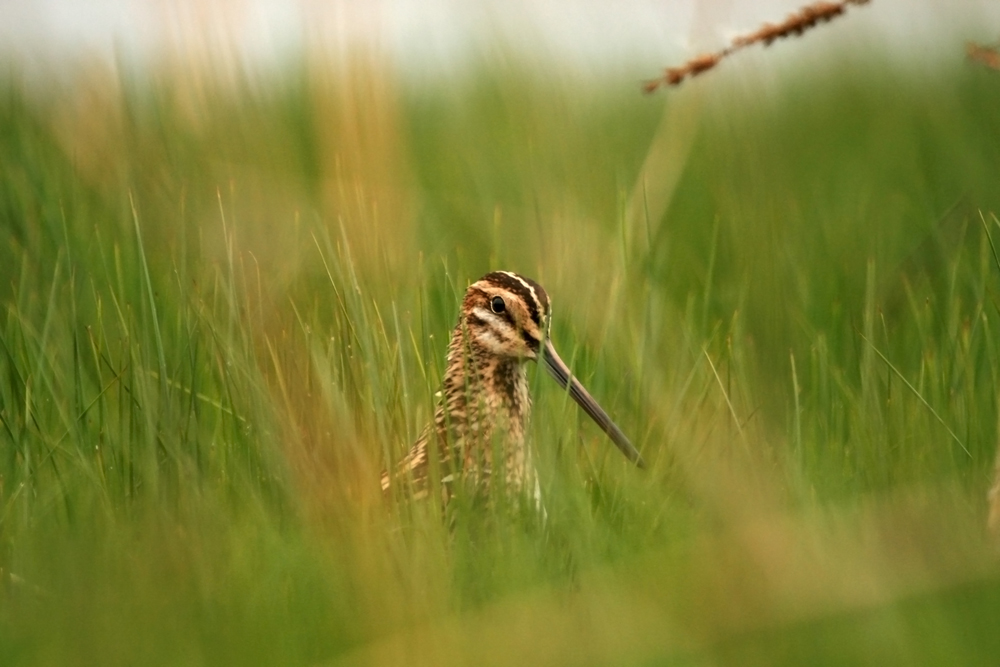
(497,304)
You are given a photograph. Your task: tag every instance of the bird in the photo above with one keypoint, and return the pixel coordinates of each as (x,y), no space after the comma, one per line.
(480,421)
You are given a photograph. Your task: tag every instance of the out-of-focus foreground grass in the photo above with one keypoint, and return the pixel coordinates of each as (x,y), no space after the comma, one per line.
(225,305)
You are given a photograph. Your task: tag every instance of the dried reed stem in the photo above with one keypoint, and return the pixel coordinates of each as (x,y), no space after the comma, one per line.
(806,18)
(984,55)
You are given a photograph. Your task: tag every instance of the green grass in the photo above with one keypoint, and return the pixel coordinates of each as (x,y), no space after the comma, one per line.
(226,302)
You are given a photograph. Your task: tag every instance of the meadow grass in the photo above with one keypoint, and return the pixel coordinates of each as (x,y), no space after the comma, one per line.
(226,301)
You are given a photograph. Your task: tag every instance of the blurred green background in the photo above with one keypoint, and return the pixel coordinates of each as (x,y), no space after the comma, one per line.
(226,300)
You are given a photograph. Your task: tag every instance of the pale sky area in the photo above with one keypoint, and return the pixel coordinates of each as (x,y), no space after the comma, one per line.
(439,35)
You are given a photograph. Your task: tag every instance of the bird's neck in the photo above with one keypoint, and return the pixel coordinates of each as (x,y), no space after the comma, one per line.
(482,390)
(485,405)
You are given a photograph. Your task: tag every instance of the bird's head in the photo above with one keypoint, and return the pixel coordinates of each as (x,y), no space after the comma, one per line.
(506,315)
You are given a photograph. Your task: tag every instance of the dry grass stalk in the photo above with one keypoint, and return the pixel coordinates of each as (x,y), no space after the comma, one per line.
(806,18)
(988,56)
(993,497)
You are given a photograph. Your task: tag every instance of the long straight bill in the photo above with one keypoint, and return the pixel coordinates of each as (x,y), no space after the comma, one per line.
(560,372)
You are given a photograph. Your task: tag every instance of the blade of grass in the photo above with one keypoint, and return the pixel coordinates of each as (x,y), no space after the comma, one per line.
(918,395)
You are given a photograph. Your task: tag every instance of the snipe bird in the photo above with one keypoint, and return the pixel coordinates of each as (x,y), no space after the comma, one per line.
(484,403)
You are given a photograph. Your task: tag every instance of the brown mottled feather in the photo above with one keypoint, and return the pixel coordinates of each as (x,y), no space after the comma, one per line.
(484,403)
(484,394)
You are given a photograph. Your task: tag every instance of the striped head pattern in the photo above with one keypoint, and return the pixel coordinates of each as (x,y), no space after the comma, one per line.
(506,315)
